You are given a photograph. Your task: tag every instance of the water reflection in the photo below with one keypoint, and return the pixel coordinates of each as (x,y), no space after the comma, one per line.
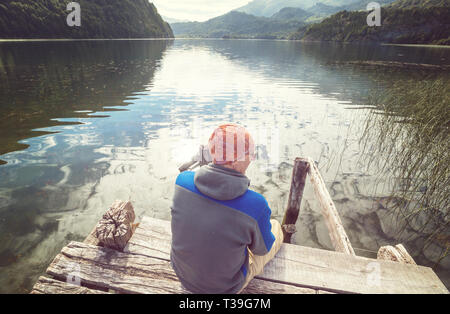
(288,95)
(42,81)
(49,87)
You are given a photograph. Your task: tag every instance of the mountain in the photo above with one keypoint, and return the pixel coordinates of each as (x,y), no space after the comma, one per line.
(291,14)
(238,25)
(267,18)
(361,5)
(173,20)
(404,21)
(99,19)
(338,3)
(324,10)
(408,4)
(268,8)
(320,9)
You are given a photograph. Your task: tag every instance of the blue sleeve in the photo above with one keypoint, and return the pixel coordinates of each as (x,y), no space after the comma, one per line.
(263,237)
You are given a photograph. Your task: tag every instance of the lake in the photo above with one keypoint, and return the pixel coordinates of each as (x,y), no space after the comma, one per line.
(84,123)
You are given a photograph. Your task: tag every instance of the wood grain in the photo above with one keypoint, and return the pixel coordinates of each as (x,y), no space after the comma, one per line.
(110,269)
(310,267)
(135,273)
(396,254)
(46,285)
(336,230)
(298,180)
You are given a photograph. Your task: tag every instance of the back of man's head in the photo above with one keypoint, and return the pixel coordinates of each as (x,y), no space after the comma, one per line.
(232,146)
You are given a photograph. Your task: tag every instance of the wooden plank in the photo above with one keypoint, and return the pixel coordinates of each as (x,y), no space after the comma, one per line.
(337,232)
(152,238)
(314,268)
(339,272)
(46,285)
(324,292)
(258,286)
(295,197)
(109,269)
(155,242)
(91,238)
(134,273)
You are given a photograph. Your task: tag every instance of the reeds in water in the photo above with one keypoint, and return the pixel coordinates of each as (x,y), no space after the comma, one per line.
(407,137)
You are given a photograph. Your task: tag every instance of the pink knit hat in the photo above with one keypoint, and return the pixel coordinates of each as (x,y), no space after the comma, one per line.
(230,143)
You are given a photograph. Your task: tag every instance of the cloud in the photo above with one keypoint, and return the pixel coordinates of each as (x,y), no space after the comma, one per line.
(196,10)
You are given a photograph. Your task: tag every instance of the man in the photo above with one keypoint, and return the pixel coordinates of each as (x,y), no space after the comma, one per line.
(222,235)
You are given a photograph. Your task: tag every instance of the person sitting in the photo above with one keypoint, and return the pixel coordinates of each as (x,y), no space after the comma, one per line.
(222,234)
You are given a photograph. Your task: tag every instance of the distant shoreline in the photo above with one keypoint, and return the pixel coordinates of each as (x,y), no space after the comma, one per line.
(404,65)
(201,38)
(371,43)
(77,39)
(417,45)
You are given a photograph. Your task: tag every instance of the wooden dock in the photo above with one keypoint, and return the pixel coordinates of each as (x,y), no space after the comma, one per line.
(143,265)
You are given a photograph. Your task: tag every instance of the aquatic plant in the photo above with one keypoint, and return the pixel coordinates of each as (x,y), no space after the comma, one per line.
(406,137)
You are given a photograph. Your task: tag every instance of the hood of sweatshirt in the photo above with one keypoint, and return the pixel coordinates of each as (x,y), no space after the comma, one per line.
(220,183)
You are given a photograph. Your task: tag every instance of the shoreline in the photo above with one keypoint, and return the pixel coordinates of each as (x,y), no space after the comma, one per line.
(394,64)
(77,39)
(2,40)
(417,45)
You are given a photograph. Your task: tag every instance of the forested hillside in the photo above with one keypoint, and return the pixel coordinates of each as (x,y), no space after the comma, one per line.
(238,25)
(407,4)
(321,10)
(405,21)
(268,8)
(99,19)
(287,14)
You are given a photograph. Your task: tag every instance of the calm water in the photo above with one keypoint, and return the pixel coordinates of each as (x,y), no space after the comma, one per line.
(86,123)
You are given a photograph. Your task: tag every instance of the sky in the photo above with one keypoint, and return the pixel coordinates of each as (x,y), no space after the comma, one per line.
(196,10)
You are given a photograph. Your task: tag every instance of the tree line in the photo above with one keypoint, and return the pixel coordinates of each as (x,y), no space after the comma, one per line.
(100,19)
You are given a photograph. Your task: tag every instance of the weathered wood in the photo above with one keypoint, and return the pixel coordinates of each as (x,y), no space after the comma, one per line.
(336,230)
(110,269)
(116,226)
(92,238)
(313,268)
(338,272)
(324,292)
(135,273)
(46,285)
(258,286)
(298,180)
(396,254)
(151,238)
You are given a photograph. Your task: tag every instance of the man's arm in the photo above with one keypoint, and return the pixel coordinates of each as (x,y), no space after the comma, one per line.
(262,237)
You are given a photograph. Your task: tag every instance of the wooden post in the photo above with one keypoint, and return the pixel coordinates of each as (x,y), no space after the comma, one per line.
(336,230)
(396,253)
(299,173)
(115,228)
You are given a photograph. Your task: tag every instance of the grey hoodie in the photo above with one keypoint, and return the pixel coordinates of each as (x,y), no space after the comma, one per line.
(215,218)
